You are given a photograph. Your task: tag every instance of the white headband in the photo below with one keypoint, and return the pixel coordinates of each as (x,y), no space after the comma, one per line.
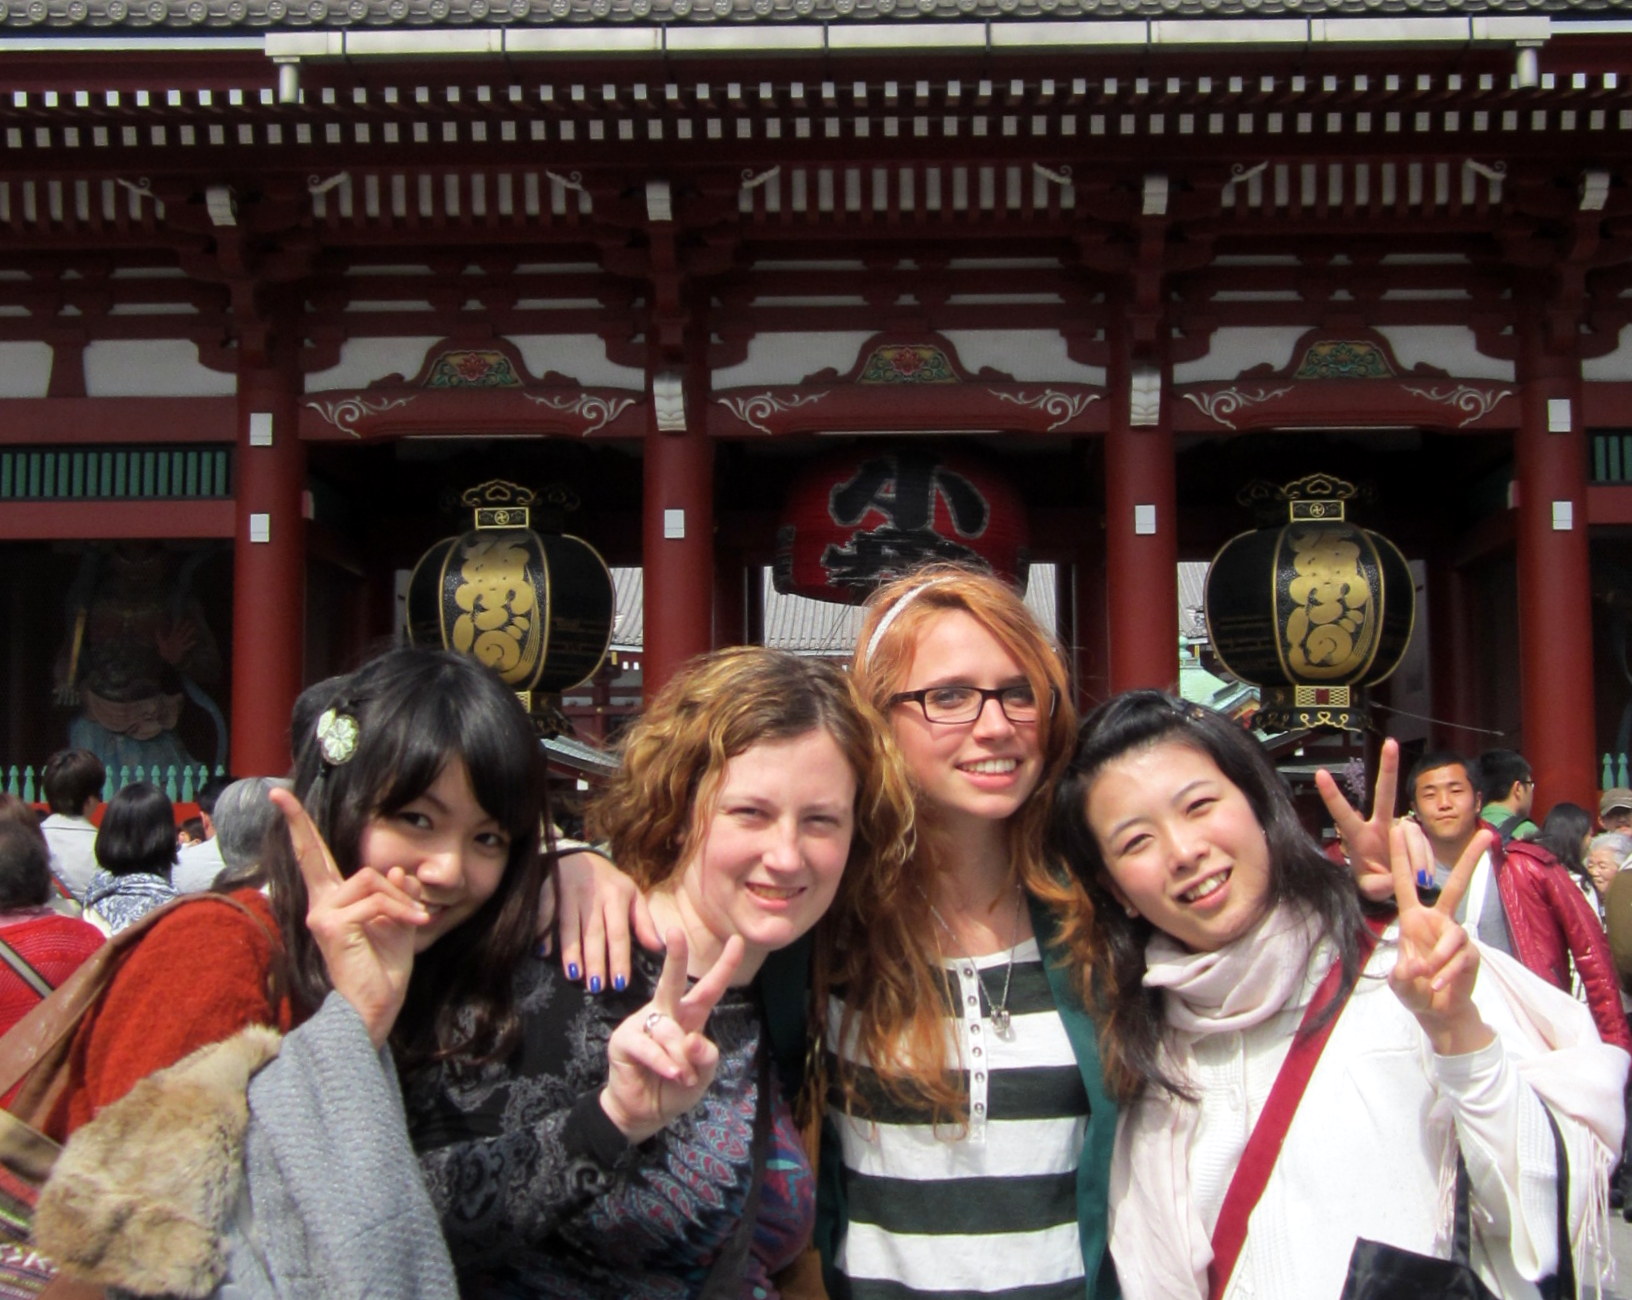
(890,615)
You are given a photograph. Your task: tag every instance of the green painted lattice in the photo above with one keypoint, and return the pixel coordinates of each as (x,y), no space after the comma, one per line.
(114,473)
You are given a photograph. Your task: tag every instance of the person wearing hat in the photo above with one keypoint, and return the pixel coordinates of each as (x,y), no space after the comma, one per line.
(1615,809)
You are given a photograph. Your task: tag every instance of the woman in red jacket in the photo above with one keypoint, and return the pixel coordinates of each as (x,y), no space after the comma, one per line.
(49,944)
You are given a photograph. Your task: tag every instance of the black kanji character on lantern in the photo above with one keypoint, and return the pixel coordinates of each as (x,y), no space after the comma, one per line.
(903,488)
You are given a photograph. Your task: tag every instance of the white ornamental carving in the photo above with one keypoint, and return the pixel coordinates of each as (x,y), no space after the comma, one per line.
(1065,406)
(752,410)
(597,411)
(1221,405)
(1477,402)
(345,413)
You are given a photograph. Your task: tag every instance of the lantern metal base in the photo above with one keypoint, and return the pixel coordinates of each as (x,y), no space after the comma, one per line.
(1296,708)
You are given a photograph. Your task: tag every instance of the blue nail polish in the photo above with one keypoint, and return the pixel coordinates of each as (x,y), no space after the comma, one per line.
(572,970)
(594,983)
(619,983)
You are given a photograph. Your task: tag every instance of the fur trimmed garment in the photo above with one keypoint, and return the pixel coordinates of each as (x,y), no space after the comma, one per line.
(249,1172)
(197,977)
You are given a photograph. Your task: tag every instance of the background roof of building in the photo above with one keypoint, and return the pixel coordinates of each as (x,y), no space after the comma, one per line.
(225,17)
(797,624)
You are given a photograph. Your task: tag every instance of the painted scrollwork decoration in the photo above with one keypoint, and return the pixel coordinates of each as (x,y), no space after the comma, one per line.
(1220,406)
(597,411)
(1065,407)
(1475,402)
(344,413)
(753,411)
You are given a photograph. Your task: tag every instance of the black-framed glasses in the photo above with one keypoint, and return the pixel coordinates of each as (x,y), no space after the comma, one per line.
(952,705)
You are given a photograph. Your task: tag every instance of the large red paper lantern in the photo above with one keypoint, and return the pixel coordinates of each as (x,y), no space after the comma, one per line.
(856,519)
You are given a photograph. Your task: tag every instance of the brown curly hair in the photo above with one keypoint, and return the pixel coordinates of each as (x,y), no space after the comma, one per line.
(887,962)
(719,705)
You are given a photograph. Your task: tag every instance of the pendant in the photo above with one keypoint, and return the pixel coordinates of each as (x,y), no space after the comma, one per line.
(1000,1021)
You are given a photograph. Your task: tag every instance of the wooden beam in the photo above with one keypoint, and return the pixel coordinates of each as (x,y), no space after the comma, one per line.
(32,521)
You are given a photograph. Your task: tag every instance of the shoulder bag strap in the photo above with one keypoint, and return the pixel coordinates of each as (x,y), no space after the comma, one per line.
(45,1029)
(1252,1174)
(25,969)
(1562,1285)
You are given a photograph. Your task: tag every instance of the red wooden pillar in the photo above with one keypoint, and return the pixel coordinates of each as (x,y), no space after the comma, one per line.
(1141,544)
(1554,570)
(677,545)
(268,570)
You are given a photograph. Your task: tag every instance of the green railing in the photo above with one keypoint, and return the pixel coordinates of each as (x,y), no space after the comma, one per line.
(1614,772)
(114,473)
(180,783)
(1612,457)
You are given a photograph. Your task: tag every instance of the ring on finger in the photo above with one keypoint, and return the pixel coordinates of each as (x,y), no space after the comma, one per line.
(652,1019)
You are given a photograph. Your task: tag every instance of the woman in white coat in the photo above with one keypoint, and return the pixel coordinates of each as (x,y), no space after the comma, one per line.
(1229,937)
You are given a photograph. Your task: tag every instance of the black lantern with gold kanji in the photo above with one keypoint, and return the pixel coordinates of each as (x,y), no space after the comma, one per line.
(1313,611)
(534,607)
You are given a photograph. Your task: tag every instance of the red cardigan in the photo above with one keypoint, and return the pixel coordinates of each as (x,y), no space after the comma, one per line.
(53,944)
(200,975)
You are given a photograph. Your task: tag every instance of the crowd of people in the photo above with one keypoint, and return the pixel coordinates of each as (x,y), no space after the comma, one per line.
(890,982)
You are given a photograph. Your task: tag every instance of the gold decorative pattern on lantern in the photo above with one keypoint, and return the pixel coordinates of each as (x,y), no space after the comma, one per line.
(1330,633)
(499,503)
(498,623)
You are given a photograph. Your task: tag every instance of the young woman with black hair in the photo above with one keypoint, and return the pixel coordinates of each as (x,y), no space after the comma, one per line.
(410,887)
(1229,938)
(135,849)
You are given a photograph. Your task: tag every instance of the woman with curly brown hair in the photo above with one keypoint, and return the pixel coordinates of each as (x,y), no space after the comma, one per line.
(965,1116)
(622,1153)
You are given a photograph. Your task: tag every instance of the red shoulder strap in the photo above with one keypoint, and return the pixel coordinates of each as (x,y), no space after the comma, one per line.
(1264,1146)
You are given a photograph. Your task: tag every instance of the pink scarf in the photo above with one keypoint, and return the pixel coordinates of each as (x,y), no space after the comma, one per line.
(1158,1241)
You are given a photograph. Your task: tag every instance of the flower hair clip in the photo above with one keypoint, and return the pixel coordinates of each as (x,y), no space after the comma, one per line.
(337,737)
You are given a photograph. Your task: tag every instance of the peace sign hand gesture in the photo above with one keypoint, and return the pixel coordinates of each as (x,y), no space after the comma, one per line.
(1438,962)
(364,926)
(661,1062)
(1366,838)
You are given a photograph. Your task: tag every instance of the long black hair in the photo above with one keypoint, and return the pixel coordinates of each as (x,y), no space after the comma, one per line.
(414,710)
(1563,832)
(1130,1015)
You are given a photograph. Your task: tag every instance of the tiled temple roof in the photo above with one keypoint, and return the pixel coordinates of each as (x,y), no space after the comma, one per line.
(224,17)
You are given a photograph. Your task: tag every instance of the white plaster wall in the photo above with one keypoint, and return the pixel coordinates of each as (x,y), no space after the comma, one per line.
(1617,365)
(151,368)
(25,369)
(1235,350)
(362,361)
(583,356)
(788,358)
(1447,346)
(1028,355)
(1450,348)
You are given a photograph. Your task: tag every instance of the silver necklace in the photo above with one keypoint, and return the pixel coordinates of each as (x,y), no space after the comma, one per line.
(999,1006)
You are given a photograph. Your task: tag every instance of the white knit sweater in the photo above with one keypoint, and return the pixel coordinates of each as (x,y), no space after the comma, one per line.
(1369,1152)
